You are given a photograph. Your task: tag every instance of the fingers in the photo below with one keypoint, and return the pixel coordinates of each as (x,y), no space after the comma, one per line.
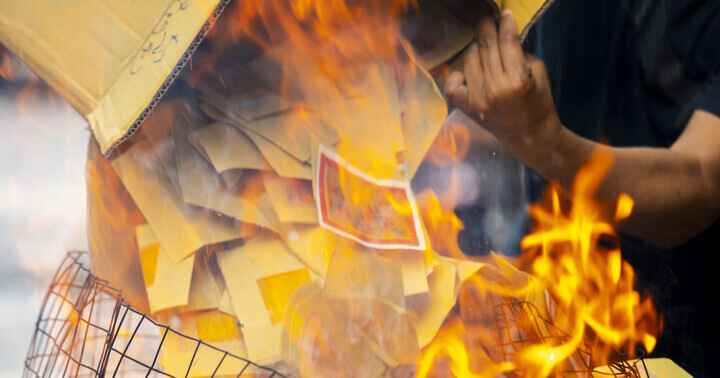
(495,69)
(511,52)
(473,68)
(457,90)
(488,47)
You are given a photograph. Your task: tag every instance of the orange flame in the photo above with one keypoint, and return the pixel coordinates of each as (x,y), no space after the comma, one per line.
(6,70)
(333,32)
(585,277)
(591,287)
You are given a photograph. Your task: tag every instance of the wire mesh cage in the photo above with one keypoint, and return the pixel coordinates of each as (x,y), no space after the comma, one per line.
(85,329)
(519,323)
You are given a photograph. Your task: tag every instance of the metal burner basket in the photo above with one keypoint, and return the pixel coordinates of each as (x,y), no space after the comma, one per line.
(509,313)
(85,329)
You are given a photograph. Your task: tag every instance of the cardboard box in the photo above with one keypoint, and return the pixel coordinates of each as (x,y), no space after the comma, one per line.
(111,60)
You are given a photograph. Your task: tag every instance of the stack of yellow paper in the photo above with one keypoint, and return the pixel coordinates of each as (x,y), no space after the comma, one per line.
(230,187)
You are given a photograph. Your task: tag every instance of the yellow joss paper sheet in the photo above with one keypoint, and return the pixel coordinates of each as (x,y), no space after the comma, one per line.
(312,244)
(412,265)
(241,283)
(225,305)
(288,130)
(242,94)
(437,35)
(423,117)
(227,148)
(375,86)
(260,257)
(260,277)
(313,315)
(656,367)
(355,272)
(375,336)
(179,234)
(264,343)
(167,284)
(526,12)
(207,286)
(202,187)
(376,213)
(214,328)
(292,199)
(429,310)
(281,161)
(366,138)
(269,256)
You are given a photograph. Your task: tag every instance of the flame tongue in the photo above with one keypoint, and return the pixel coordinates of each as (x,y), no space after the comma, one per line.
(592,312)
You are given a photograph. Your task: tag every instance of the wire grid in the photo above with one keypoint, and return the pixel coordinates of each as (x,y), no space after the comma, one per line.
(86,330)
(510,319)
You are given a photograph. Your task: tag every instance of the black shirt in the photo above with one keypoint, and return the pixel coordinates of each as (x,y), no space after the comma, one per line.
(631,73)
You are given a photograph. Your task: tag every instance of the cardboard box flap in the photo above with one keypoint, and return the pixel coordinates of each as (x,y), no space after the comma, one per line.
(111,60)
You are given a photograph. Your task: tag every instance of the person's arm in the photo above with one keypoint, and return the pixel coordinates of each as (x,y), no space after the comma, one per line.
(676,190)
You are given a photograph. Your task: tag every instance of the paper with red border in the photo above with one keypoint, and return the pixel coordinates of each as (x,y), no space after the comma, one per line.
(379,225)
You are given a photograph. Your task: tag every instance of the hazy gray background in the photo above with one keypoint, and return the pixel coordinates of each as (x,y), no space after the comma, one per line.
(43,143)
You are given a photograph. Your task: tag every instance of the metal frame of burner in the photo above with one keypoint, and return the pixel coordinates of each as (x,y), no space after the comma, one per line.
(85,329)
(75,337)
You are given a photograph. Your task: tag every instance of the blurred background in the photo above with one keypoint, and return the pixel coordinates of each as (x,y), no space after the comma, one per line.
(43,145)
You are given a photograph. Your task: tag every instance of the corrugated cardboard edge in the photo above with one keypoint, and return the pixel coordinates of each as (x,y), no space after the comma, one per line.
(535,19)
(171,77)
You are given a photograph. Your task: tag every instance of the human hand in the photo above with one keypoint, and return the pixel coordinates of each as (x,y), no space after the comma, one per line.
(504,89)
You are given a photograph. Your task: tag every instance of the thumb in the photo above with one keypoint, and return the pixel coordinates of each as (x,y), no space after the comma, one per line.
(456,90)
(537,66)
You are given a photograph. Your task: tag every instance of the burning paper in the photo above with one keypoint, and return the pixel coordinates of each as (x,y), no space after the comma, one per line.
(376,213)
(168,284)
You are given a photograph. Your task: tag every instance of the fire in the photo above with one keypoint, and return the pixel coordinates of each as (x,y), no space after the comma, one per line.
(575,256)
(450,147)
(354,306)
(579,286)
(6,70)
(334,33)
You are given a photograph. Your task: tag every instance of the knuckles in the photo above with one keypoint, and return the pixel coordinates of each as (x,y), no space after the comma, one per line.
(537,66)
(507,37)
(472,54)
(495,94)
(514,85)
(477,103)
(487,41)
(520,83)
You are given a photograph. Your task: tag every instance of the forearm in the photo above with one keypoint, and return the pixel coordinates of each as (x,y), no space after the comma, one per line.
(675,195)
(676,190)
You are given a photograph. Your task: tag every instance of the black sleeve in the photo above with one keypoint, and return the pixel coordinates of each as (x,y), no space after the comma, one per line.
(710,100)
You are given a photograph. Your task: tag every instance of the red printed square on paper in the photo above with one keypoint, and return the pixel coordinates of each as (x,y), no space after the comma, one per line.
(376,213)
